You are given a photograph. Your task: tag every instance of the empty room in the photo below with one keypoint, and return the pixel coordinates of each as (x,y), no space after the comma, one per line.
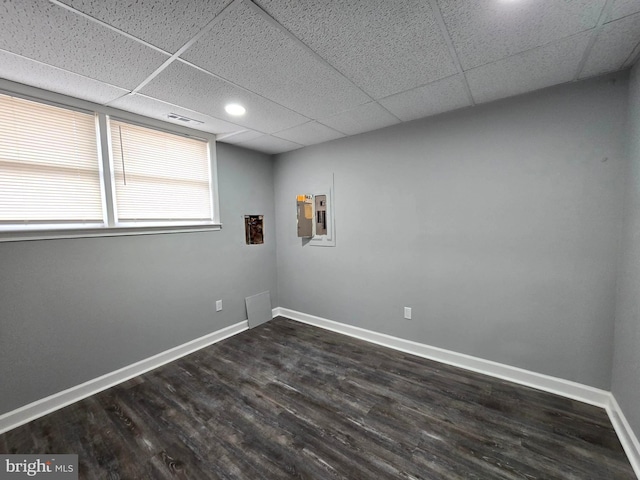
(316,239)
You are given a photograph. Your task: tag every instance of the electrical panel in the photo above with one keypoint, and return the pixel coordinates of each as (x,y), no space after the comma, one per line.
(316,225)
(321,214)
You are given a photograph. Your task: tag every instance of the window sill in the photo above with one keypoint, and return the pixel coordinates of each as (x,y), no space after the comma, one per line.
(20,236)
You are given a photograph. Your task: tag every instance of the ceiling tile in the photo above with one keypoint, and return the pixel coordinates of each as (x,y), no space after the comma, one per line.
(542,67)
(181,84)
(309,134)
(243,136)
(437,97)
(363,118)
(48,33)
(245,48)
(383,46)
(486,31)
(270,145)
(29,72)
(622,8)
(151,107)
(167,24)
(615,42)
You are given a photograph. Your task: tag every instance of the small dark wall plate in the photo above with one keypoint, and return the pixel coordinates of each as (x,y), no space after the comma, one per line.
(254,229)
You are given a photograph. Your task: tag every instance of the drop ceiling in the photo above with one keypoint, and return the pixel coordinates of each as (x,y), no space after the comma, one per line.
(309,71)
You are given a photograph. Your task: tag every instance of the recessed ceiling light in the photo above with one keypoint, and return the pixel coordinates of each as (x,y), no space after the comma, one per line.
(235,109)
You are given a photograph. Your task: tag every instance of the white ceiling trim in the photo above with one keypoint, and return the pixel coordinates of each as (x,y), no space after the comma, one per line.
(559,40)
(322,122)
(106,25)
(452,50)
(633,58)
(235,85)
(309,123)
(230,7)
(604,14)
(262,139)
(190,32)
(223,136)
(449,77)
(312,52)
(174,106)
(48,65)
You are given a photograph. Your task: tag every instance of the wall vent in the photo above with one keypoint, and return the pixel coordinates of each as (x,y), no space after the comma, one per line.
(175,116)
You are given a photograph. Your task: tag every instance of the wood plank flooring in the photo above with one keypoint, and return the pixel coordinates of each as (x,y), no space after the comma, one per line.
(286,400)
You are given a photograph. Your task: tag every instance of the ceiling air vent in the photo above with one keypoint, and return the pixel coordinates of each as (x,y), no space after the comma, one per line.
(191,121)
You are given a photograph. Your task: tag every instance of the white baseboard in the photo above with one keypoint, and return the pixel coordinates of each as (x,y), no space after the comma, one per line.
(547,383)
(625,433)
(39,408)
(558,386)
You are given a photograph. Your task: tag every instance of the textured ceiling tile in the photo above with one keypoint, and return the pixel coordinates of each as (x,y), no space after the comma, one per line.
(363,118)
(383,46)
(614,44)
(181,84)
(309,134)
(486,31)
(248,50)
(51,34)
(270,145)
(437,97)
(23,70)
(243,136)
(167,24)
(150,107)
(622,8)
(542,67)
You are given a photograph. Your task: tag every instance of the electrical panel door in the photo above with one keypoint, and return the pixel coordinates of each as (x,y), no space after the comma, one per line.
(305,216)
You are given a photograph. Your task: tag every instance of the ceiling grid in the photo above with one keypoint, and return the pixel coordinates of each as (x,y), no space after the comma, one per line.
(277,24)
(235,85)
(604,14)
(107,25)
(186,46)
(452,50)
(309,71)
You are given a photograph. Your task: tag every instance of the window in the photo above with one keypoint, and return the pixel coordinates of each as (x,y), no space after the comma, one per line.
(159,176)
(49,166)
(53,176)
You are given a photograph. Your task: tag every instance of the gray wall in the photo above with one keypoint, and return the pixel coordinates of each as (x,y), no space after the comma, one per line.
(626,362)
(72,310)
(499,225)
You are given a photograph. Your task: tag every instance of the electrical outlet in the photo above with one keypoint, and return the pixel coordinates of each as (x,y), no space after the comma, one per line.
(407,313)
(218,305)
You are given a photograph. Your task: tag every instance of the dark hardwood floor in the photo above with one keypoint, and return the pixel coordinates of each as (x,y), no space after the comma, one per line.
(286,400)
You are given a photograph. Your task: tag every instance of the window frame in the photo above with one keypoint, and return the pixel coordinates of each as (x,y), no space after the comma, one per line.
(110,227)
(153,223)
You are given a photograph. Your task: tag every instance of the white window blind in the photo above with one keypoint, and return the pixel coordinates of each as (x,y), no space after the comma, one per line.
(159,176)
(49,165)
